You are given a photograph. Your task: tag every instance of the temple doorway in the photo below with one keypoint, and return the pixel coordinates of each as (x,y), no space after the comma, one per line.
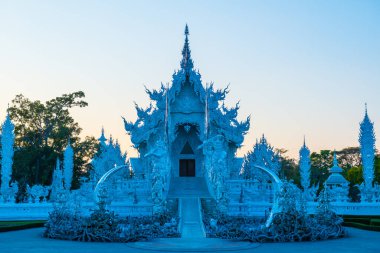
(187,167)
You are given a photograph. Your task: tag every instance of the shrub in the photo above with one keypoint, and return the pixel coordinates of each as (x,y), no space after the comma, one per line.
(105,226)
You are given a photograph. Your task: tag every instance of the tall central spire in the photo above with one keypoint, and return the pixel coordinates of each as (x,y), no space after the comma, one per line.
(186,62)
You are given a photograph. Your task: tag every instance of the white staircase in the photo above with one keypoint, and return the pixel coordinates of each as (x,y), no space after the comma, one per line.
(191,221)
(183,187)
(189,190)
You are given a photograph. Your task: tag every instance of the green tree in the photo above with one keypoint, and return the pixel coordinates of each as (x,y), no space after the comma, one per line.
(289,168)
(42,132)
(320,164)
(377,169)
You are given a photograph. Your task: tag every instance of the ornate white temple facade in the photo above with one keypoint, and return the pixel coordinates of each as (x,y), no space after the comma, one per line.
(187,131)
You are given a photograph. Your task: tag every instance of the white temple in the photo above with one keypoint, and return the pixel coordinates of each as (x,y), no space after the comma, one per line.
(187,132)
(187,141)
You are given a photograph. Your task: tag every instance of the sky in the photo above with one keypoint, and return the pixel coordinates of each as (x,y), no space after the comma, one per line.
(299,68)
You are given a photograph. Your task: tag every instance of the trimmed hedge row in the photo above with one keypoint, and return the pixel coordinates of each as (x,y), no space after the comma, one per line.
(6,226)
(375,222)
(361,226)
(365,222)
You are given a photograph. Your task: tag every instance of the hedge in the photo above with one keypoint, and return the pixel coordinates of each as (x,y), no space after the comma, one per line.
(361,226)
(6,226)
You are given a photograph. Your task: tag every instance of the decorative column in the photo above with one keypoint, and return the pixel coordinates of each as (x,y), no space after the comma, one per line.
(367,149)
(57,185)
(7,142)
(304,166)
(68,166)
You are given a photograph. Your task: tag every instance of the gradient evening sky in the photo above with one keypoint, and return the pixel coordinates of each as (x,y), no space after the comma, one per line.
(298,67)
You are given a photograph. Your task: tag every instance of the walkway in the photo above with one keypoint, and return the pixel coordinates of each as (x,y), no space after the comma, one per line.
(31,241)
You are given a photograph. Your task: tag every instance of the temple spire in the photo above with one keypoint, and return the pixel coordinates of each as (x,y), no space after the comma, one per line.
(304,166)
(102,139)
(186,62)
(335,160)
(367,141)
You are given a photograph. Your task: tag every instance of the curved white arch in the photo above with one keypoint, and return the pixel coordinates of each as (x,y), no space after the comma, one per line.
(277,180)
(103,178)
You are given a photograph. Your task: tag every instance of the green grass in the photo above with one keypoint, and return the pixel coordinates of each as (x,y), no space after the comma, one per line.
(6,226)
(366,222)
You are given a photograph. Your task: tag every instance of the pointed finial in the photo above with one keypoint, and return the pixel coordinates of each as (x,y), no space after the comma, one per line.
(186,62)
(365,105)
(335,161)
(102,139)
(304,141)
(8,116)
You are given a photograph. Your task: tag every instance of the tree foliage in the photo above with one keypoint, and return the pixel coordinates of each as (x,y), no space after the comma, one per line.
(42,131)
(289,168)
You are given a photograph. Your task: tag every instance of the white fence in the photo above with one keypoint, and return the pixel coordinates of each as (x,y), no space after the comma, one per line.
(261,209)
(40,211)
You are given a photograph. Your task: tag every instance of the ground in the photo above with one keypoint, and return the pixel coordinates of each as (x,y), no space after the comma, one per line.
(30,240)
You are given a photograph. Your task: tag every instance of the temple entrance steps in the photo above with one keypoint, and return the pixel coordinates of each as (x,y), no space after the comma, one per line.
(189,190)
(184,187)
(191,219)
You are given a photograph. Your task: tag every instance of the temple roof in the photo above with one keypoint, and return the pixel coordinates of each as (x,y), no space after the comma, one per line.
(336,176)
(152,119)
(186,62)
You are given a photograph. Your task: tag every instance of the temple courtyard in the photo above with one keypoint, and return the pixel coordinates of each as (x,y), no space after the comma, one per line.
(31,240)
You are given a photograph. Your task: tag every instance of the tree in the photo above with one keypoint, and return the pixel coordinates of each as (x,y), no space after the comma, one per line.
(349,157)
(42,132)
(289,168)
(320,164)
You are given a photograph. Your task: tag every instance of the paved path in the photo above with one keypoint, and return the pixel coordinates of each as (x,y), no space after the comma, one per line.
(31,241)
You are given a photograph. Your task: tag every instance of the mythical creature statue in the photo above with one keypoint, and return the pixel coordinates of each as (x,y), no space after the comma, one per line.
(216,169)
(160,174)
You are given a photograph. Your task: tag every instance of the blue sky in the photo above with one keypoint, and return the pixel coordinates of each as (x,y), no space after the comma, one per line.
(298,67)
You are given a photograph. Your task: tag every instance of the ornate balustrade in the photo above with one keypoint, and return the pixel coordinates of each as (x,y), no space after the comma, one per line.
(40,211)
(261,209)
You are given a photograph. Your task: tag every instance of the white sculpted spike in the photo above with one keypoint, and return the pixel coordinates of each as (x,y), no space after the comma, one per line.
(309,193)
(367,149)
(305,165)
(68,166)
(7,142)
(57,185)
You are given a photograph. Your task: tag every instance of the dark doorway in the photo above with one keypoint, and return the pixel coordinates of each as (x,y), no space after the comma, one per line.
(187,167)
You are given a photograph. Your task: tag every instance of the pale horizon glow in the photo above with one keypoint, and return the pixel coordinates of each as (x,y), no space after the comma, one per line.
(300,68)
